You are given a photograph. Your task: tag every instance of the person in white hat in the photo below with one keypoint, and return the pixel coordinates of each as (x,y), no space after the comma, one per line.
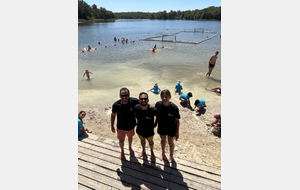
(178,87)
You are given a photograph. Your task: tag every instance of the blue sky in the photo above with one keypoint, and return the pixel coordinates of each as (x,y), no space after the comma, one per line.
(153,5)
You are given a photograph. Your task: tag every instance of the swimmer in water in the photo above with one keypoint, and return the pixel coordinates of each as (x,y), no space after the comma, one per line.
(87,73)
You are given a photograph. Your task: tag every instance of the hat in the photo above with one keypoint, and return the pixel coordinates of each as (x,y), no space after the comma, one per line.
(178,81)
(202,101)
(190,94)
(216,115)
(86,70)
(155,84)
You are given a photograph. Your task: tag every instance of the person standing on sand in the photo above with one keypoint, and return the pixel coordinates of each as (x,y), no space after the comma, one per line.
(211,63)
(145,127)
(168,123)
(178,87)
(126,122)
(87,73)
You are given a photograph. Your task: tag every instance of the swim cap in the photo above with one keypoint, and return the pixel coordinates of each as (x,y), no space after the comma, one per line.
(178,81)
(86,70)
(216,115)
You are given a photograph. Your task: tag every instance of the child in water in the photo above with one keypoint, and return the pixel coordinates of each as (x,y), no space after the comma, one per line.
(155,89)
(87,73)
(81,129)
(178,87)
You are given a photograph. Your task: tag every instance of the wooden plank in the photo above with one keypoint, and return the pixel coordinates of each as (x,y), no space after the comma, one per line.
(125,170)
(112,145)
(81,187)
(186,170)
(176,177)
(97,178)
(92,184)
(97,172)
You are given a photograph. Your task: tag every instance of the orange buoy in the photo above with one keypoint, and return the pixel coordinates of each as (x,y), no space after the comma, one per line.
(133,41)
(105,46)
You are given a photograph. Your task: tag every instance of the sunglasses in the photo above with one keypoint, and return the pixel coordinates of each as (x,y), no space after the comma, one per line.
(143,99)
(124,95)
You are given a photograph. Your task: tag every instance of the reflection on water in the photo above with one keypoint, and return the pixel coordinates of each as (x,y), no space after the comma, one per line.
(135,66)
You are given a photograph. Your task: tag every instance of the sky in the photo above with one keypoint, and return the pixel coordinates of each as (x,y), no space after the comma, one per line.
(153,5)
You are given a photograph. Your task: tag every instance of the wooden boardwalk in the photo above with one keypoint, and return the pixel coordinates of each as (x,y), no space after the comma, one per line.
(100,168)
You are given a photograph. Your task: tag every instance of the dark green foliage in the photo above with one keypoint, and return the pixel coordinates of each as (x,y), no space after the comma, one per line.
(210,13)
(88,12)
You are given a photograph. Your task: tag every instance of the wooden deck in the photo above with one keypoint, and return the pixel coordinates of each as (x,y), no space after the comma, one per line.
(100,168)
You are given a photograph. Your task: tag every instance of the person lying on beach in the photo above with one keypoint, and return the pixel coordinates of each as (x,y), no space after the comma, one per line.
(81,128)
(145,123)
(199,104)
(168,123)
(185,99)
(87,73)
(216,90)
(217,122)
(178,87)
(155,89)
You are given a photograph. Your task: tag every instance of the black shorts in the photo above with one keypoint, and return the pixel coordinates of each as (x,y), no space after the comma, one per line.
(211,65)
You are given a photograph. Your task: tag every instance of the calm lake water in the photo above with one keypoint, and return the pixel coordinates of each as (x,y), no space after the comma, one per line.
(135,66)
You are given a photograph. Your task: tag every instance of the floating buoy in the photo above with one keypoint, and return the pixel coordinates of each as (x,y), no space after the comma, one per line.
(105,46)
(114,44)
(82,51)
(133,41)
(167,29)
(95,48)
(130,41)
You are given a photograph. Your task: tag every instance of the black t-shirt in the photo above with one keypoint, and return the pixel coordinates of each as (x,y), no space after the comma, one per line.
(125,115)
(145,119)
(166,118)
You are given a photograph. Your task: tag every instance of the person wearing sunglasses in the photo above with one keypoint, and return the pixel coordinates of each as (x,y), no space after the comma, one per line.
(126,122)
(145,126)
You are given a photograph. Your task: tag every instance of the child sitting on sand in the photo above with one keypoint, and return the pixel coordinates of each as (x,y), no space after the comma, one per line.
(216,124)
(155,89)
(199,104)
(87,73)
(81,128)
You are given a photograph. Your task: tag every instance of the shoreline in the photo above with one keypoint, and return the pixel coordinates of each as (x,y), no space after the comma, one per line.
(196,141)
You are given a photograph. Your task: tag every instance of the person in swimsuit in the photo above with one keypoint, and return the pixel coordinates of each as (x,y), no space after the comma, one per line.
(216,90)
(211,63)
(89,48)
(87,73)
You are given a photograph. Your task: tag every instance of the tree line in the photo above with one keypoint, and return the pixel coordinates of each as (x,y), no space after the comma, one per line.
(88,12)
(210,13)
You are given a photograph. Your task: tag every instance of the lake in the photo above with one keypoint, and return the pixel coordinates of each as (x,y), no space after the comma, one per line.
(135,66)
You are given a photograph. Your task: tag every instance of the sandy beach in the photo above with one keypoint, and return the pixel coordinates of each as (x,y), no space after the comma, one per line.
(196,141)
